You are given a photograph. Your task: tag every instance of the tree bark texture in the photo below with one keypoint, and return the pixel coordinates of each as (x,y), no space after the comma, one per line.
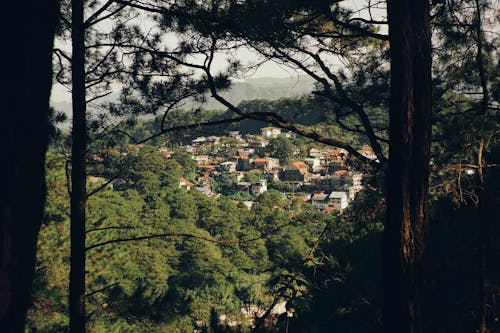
(27,30)
(78,173)
(407,177)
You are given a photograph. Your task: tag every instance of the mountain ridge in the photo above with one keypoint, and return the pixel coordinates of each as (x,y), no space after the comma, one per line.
(269,88)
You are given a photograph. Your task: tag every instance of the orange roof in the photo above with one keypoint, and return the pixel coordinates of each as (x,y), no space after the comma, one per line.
(340,172)
(300,165)
(300,197)
(261,160)
(206,167)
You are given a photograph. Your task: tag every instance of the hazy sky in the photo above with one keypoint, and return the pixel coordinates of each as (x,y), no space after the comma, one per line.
(269,69)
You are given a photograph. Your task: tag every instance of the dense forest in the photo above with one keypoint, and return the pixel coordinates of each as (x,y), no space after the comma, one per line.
(172,208)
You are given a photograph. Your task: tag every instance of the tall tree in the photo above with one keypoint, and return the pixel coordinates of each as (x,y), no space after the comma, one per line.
(78,170)
(24,89)
(100,56)
(408,169)
(89,70)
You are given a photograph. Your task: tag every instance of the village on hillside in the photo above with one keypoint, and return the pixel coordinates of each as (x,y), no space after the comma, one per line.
(322,178)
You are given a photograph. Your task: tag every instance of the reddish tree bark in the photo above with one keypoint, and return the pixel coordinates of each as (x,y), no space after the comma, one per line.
(408,167)
(27,33)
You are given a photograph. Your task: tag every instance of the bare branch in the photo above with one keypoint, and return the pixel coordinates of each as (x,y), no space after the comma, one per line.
(92,17)
(108,228)
(101,290)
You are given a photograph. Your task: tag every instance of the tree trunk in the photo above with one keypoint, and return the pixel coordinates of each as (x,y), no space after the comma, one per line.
(482,242)
(27,36)
(78,173)
(407,177)
(481,209)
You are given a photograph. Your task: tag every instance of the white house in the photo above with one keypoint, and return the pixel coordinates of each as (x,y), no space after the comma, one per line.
(313,164)
(258,187)
(338,200)
(201,159)
(228,166)
(270,132)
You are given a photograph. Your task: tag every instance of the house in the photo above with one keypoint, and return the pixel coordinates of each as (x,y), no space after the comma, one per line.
(292,174)
(338,200)
(270,132)
(274,174)
(207,171)
(367,152)
(258,187)
(313,164)
(313,152)
(184,183)
(319,200)
(200,159)
(256,142)
(301,166)
(228,166)
(265,164)
(205,190)
(337,157)
(246,151)
(243,163)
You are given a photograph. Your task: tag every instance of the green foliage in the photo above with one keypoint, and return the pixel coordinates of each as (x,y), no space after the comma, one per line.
(225,184)
(281,147)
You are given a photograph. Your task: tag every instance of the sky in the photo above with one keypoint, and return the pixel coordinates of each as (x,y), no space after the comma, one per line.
(269,69)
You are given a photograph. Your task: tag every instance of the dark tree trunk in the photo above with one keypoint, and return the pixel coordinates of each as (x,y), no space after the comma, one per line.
(78,173)
(483,242)
(408,169)
(27,35)
(480,185)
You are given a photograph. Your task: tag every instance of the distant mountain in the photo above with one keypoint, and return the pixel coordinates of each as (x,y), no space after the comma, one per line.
(261,88)
(264,88)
